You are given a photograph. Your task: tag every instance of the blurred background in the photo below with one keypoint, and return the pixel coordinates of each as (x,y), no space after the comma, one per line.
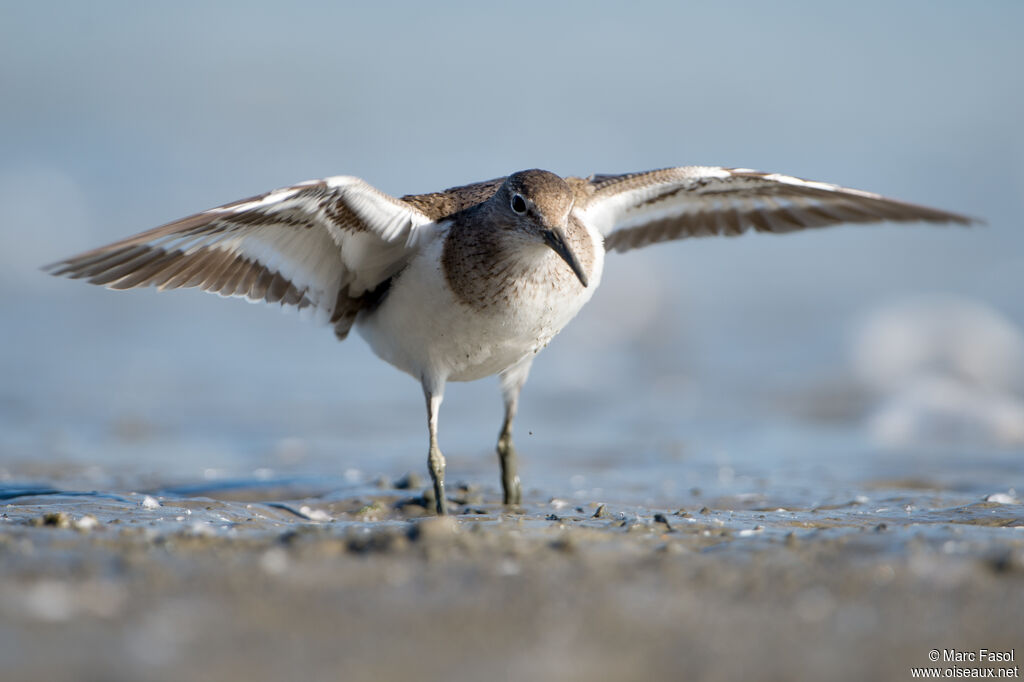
(873,351)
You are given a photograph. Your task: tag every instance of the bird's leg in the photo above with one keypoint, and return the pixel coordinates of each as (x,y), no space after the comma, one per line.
(512,381)
(435,460)
(510,485)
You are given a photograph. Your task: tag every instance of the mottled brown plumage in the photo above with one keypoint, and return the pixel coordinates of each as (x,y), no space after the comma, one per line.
(438,205)
(486,256)
(730,201)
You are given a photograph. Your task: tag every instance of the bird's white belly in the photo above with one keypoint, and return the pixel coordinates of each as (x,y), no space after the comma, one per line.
(424,329)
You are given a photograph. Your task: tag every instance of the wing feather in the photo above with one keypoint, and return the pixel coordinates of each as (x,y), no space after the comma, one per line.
(637,209)
(322,243)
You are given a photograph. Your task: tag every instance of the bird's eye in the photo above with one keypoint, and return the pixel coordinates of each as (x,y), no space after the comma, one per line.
(518,204)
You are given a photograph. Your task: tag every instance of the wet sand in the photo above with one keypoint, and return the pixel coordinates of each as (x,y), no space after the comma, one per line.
(269,580)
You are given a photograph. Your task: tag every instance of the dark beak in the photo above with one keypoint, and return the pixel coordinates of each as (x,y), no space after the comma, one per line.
(555,238)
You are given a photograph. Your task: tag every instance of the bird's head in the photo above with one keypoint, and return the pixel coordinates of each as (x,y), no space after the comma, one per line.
(536,204)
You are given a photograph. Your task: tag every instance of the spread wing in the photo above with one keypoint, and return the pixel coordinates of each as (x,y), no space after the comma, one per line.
(638,209)
(323,244)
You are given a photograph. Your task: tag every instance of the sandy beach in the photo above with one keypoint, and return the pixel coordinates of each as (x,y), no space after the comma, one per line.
(361,585)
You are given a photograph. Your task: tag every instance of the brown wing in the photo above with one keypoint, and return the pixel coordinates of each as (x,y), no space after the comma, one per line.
(440,205)
(638,209)
(323,244)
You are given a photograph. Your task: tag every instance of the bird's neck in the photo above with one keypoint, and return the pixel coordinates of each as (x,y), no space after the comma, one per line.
(487,264)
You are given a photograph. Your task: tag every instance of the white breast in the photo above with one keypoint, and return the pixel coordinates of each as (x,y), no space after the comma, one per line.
(423,329)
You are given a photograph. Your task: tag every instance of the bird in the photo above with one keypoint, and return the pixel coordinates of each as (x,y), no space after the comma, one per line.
(471,281)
